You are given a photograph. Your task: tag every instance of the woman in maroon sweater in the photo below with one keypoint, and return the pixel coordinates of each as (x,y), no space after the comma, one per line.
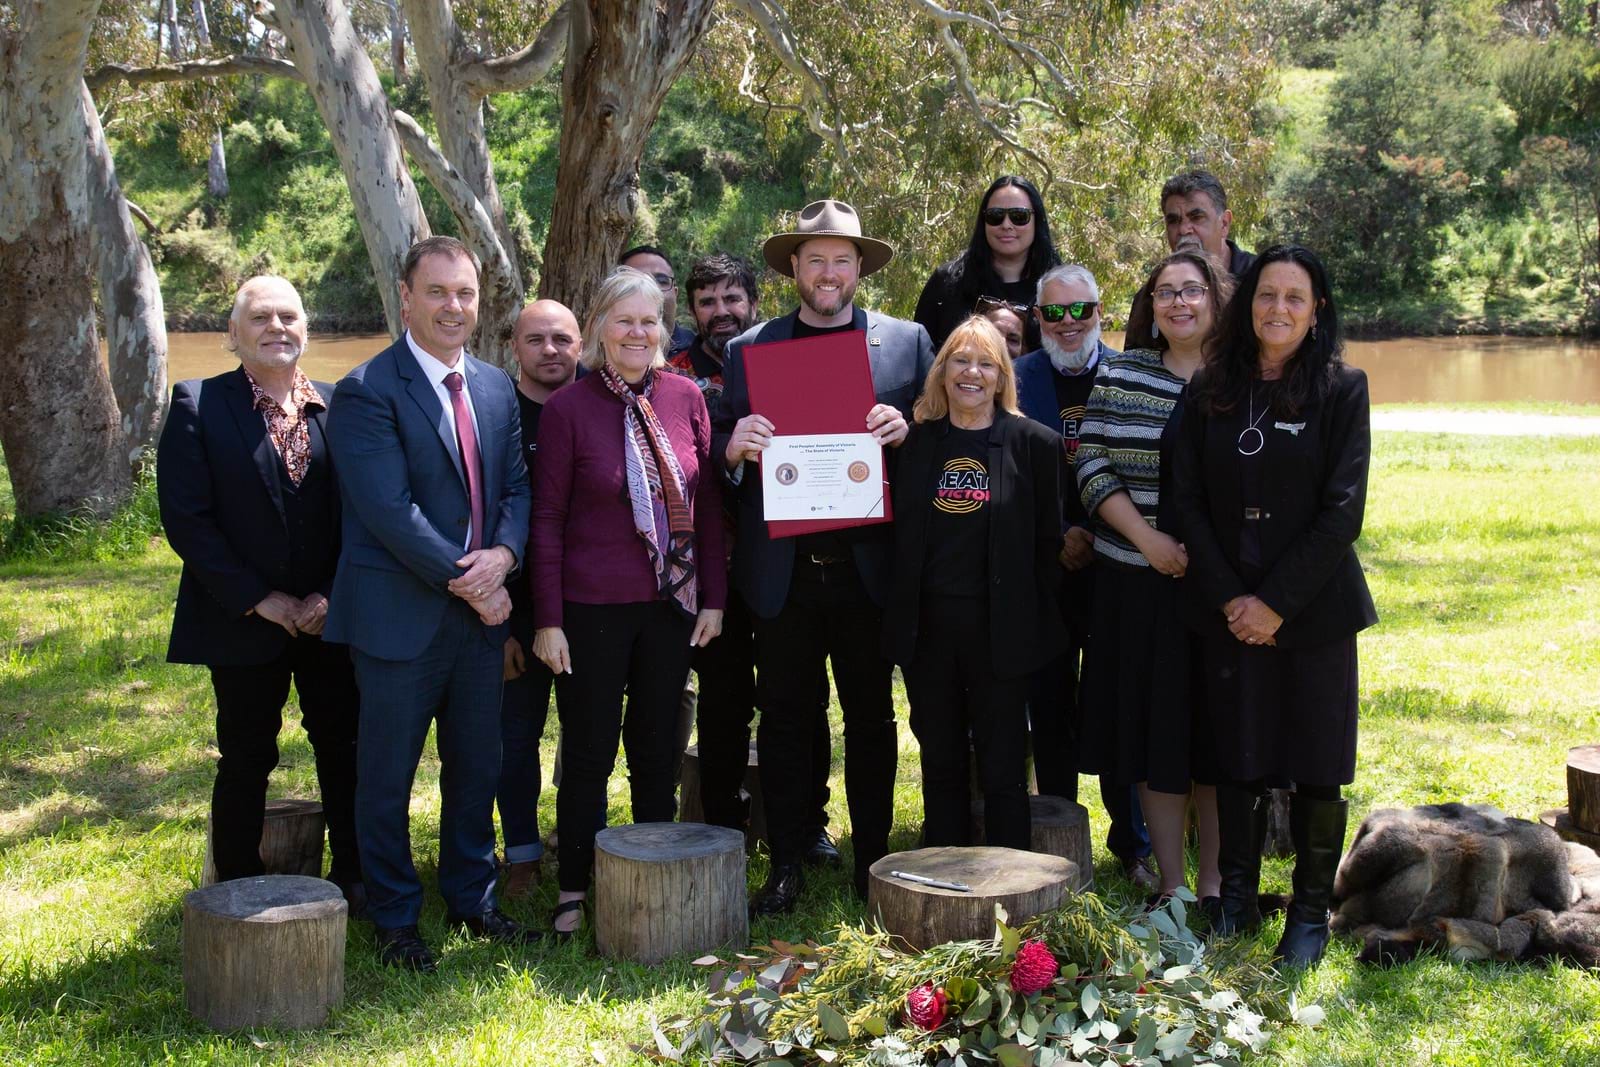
(627,566)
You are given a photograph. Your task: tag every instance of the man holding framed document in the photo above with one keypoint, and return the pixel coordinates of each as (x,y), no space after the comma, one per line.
(810,402)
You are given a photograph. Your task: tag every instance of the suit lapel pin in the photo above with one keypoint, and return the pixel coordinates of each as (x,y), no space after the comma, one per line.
(874,341)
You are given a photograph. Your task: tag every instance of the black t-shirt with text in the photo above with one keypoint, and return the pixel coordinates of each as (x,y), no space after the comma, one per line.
(1072,401)
(957,562)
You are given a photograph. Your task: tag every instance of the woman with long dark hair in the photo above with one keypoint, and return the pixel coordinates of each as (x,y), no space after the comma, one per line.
(1142,689)
(1010,248)
(1270,479)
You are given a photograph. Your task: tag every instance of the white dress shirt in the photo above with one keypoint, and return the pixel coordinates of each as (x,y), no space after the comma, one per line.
(435,370)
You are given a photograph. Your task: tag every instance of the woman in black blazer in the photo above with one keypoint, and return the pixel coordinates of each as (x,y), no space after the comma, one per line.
(1270,477)
(972,606)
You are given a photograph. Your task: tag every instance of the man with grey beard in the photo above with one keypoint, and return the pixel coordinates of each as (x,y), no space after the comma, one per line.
(250,503)
(1053,385)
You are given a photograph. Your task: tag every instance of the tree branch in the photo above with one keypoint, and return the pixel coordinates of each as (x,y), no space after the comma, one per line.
(524,67)
(476,225)
(139,213)
(226,66)
(773,22)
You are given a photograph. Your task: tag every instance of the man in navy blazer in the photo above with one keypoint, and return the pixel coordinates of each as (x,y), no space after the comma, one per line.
(251,505)
(436,504)
(820,596)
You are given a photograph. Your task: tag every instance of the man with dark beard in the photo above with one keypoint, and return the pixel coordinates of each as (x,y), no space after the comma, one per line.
(723,296)
(1053,386)
(819,597)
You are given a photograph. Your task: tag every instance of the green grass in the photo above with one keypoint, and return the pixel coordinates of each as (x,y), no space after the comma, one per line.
(1484,558)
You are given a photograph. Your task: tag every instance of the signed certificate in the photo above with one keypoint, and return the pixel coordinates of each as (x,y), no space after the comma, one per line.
(822,476)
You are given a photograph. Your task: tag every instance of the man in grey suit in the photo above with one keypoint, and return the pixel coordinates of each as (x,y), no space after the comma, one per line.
(820,596)
(436,502)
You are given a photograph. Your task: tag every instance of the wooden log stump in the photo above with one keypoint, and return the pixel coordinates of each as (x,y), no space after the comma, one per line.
(265,951)
(1060,828)
(291,840)
(1025,883)
(691,808)
(1561,822)
(1583,787)
(666,888)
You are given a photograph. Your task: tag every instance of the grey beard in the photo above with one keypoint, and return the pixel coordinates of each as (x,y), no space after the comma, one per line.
(1066,362)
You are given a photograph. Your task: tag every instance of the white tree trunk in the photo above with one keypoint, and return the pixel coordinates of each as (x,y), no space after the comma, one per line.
(217,165)
(59,427)
(397,41)
(342,80)
(441,52)
(130,297)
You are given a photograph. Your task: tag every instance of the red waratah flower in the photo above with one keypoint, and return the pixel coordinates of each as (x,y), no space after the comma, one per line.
(1034,968)
(926,1006)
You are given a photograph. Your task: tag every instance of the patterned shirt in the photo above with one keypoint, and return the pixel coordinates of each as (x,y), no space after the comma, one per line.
(290,432)
(1120,445)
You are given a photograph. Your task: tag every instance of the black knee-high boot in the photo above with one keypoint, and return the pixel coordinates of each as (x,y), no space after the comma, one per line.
(1241,829)
(1318,829)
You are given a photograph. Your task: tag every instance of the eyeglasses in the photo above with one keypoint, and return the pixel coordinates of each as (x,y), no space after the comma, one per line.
(1191,294)
(1019,216)
(665,281)
(987,304)
(1078,309)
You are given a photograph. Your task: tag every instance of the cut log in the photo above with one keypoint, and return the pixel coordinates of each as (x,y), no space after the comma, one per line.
(667,888)
(1561,822)
(1024,883)
(265,951)
(691,807)
(1583,787)
(1060,828)
(291,840)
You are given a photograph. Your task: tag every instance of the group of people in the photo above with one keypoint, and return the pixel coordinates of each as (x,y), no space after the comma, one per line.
(1134,564)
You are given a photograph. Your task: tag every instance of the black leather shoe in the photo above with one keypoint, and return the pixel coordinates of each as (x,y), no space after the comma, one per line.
(493,925)
(822,852)
(566,907)
(782,891)
(402,946)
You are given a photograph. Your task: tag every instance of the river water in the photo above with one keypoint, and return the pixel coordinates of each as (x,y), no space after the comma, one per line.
(1437,370)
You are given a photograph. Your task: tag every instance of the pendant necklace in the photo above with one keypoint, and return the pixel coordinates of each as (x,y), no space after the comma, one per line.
(1259,440)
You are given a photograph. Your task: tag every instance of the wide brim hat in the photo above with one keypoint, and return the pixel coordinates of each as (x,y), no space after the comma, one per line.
(826,218)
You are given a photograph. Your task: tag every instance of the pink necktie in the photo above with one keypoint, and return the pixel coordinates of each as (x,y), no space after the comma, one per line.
(467,440)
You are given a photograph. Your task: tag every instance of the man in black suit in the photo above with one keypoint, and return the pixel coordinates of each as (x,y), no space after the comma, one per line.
(820,596)
(250,504)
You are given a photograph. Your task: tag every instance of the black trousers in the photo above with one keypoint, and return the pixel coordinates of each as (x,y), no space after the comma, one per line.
(828,616)
(641,650)
(524,707)
(954,694)
(250,703)
(726,669)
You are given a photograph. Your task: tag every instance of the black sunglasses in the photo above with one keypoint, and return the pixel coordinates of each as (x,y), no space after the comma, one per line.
(1078,309)
(986,304)
(1019,216)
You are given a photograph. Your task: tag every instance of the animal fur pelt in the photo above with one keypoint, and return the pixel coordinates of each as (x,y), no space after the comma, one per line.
(1469,880)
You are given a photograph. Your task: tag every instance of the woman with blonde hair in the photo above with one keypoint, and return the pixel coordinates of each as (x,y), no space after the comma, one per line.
(627,567)
(972,607)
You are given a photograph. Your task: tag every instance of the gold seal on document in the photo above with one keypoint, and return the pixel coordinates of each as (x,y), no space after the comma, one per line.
(857,471)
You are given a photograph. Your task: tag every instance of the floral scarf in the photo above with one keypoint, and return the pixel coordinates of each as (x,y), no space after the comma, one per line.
(656,491)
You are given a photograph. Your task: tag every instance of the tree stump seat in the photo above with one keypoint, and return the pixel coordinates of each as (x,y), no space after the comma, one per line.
(666,888)
(1561,822)
(1583,788)
(266,951)
(691,809)
(291,840)
(1024,883)
(1060,828)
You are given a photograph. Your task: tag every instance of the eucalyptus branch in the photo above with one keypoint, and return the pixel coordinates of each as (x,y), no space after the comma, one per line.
(773,22)
(524,67)
(190,70)
(464,204)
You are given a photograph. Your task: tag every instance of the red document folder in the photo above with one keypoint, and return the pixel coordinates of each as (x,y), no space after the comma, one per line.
(812,385)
